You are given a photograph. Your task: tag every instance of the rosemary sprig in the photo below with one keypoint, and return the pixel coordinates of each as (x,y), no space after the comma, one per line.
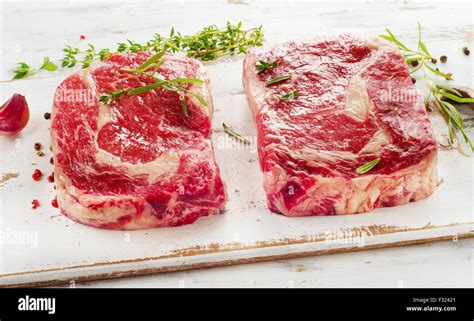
(277,80)
(208,44)
(436,91)
(451,114)
(421,55)
(232,133)
(24,70)
(290,95)
(368,166)
(149,68)
(263,65)
(111,96)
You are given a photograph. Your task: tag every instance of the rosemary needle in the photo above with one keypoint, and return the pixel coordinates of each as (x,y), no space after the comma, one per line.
(368,166)
(277,80)
(232,133)
(290,95)
(263,65)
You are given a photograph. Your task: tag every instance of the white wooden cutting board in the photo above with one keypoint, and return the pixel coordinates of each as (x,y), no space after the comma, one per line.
(40,247)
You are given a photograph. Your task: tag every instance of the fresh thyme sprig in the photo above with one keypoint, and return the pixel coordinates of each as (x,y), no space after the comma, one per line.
(212,42)
(437,92)
(232,133)
(74,56)
(368,166)
(208,44)
(24,70)
(150,69)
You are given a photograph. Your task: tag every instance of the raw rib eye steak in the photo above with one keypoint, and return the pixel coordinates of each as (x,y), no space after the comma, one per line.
(356,103)
(137,162)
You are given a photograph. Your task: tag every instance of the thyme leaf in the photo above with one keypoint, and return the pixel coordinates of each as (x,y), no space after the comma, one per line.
(48,65)
(24,70)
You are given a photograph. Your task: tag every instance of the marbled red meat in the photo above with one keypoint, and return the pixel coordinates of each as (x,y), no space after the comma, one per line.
(356,103)
(138,162)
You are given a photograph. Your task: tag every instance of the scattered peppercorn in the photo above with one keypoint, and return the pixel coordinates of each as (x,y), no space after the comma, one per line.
(47,115)
(37,146)
(413,80)
(40,153)
(443,58)
(82,37)
(37,175)
(414,63)
(54,202)
(433,60)
(466,51)
(35,204)
(51,160)
(51,178)
(449,75)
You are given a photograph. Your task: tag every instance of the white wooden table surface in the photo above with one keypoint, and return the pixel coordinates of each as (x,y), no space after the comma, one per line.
(32,30)
(441,264)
